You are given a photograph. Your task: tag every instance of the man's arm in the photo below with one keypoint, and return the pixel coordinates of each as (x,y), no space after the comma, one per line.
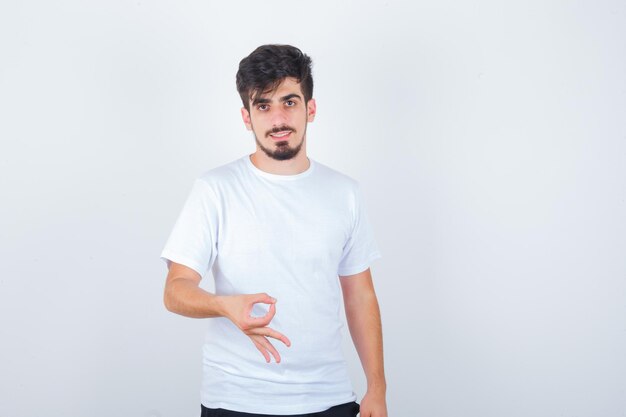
(363,317)
(183,295)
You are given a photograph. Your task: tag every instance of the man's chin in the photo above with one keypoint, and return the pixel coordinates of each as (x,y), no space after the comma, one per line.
(281,151)
(283,156)
(284,153)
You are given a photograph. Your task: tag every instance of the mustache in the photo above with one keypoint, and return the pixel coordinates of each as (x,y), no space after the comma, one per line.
(280,129)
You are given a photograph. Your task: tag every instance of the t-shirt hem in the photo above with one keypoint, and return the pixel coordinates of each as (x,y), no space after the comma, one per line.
(276,409)
(167,256)
(351,270)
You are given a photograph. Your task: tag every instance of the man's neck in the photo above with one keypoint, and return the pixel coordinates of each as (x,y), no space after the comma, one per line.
(296,165)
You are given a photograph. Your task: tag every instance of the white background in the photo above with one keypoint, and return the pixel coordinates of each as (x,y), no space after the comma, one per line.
(489,139)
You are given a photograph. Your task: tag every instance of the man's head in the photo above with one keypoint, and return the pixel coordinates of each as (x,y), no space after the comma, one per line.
(276,88)
(268,65)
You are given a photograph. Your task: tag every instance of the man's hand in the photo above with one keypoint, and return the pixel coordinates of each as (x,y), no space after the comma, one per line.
(373,404)
(237,308)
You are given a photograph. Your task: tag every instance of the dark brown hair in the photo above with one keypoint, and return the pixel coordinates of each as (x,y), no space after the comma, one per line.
(267,66)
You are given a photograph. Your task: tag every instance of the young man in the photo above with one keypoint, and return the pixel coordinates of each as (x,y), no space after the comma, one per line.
(285,237)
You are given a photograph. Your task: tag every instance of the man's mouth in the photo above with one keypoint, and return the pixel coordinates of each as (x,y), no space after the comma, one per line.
(281,135)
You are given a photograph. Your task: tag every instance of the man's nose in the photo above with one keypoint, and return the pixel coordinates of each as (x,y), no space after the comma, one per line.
(279,116)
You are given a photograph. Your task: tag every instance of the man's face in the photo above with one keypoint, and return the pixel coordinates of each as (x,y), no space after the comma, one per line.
(278,120)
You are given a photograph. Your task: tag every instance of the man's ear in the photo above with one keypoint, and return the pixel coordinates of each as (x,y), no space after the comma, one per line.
(245,115)
(311,110)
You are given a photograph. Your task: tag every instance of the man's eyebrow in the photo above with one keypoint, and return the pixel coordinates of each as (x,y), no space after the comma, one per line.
(260,100)
(290,96)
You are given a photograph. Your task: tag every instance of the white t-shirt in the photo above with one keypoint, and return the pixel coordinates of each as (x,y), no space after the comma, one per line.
(289,236)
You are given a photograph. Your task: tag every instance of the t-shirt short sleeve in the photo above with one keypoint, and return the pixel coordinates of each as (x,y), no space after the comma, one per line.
(193,240)
(361,248)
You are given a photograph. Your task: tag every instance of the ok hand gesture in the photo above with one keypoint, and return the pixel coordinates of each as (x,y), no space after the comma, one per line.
(238,309)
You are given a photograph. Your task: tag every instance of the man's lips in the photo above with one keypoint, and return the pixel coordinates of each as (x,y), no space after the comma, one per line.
(282,135)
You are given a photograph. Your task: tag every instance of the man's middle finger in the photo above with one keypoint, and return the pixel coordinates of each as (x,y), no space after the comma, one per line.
(269,332)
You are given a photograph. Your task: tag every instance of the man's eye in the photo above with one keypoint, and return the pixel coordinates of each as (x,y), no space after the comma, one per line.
(262,107)
(290,103)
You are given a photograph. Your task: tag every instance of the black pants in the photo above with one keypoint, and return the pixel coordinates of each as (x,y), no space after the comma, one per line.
(350,409)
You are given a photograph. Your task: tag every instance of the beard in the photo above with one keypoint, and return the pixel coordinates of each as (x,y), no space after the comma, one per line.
(282,151)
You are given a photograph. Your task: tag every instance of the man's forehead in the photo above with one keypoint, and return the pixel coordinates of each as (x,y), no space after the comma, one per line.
(288,85)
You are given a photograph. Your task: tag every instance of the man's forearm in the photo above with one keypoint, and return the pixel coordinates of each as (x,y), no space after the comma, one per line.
(363,316)
(186,298)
